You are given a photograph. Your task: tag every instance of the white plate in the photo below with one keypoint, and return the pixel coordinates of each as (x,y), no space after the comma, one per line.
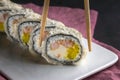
(16,68)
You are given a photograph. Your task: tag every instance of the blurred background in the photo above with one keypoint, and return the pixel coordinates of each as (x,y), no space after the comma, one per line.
(107,29)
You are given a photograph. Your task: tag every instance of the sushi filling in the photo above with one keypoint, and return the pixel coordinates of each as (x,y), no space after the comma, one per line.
(25,30)
(1,26)
(26,34)
(3,15)
(63,48)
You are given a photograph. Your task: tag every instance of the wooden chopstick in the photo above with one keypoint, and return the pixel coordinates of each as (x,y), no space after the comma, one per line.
(43,19)
(88,23)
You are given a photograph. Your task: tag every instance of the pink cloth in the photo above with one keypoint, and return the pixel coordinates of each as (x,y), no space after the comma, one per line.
(2,78)
(75,18)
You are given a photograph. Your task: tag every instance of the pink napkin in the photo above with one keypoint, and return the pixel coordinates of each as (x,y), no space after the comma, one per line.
(74,17)
(2,78)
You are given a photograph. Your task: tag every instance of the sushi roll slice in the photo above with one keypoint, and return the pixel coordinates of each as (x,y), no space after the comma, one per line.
(12,24)
(34,46)
(4,13)
(64,46)
(24,31)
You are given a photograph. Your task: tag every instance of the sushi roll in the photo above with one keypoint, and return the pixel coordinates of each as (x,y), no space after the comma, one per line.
(12,22)
(34,46)
(24,31)
(60,45)
(64,47)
